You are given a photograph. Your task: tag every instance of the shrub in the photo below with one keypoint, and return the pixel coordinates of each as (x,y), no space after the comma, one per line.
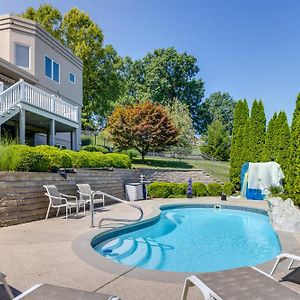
(177,189)
(228,188)
(120,160)
(214,189)
(160,189)
(23,158)
(86,140)
(130,152)
(199,189)
(275,190)
(59,159)
(92,148)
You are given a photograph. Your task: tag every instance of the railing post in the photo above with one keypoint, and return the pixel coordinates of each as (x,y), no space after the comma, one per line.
(22,90)
(52,103)
(92,210)
(1,87)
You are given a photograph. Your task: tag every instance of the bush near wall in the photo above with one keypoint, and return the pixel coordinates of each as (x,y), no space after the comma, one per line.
(93,148)
(44,158)
(178,190)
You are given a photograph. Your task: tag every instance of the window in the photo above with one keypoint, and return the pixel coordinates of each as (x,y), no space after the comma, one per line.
(72,77)
(22,56)
(52,69)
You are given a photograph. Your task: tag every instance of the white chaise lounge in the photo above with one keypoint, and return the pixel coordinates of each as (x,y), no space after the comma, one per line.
(242,283)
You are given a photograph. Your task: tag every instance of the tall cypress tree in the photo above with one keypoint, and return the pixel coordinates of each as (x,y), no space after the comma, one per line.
(257,132)
(270,152)
(241,115)
(283,138)
(293,175)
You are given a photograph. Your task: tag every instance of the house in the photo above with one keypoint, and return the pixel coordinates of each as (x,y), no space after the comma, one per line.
(40,86)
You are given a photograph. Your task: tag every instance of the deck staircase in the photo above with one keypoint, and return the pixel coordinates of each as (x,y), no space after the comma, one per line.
(35,99)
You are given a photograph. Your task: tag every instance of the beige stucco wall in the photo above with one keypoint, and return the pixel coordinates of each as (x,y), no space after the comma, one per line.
(4,44)
(18,30)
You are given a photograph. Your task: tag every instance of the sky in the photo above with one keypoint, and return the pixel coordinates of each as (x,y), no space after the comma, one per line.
(248,48)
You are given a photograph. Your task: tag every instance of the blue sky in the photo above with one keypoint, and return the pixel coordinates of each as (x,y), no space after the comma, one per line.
(248,48)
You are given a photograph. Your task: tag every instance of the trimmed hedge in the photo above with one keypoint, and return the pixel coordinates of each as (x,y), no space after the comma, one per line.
(44,158)
(228,188)
(92,148)
(214,189)
(23,158)
(179,190)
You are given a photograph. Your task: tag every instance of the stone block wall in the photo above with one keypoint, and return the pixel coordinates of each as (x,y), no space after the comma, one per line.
(22,196)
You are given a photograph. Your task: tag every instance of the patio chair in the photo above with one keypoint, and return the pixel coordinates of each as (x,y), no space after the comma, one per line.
(86,194)
(6,286)
(242,283)
(58,200)
(53,292)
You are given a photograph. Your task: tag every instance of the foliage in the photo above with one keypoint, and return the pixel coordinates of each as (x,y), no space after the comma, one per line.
(86,140)
(159,189)
(293,174)
(214,189)
(199,189)
(48,17)
(241,115)
(283,138)
(162,76)
(257,132)
(58,158)
(23,158)
(271,144)
(102,67)
(175,190)
(217,141)
(275,191)
(217,106)
(181,118)
(228,188)
(143,126)
(130,152)
(92,148)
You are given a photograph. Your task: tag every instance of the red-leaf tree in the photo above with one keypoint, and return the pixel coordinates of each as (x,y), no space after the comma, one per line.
(144,126)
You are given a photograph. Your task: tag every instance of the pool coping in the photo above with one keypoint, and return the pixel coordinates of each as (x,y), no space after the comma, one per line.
(83,249)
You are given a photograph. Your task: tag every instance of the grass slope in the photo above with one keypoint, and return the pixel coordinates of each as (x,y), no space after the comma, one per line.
(218,169)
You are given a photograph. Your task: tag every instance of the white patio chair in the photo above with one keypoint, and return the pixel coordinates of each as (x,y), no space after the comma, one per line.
(6,286)
(58,200)
(242,283)
(86,194)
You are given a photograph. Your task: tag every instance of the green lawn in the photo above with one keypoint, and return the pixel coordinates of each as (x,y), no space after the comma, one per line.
(218,169)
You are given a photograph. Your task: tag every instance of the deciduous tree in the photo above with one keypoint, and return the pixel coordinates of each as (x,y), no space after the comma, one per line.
(144,126)
(217,106)
(164,75)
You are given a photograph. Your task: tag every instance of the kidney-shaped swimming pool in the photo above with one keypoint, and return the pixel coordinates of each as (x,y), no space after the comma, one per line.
(194,239)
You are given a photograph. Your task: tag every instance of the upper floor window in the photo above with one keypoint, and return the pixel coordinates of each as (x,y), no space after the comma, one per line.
(72,77)
(52,69)
(22,56)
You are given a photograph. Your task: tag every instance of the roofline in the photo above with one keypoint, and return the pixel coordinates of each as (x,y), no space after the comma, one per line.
(18,71)
(10,21)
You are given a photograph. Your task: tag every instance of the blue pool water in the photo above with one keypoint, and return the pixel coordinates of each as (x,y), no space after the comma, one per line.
(196,240)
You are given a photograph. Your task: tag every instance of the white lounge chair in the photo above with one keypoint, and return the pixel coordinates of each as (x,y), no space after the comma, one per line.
(242,283)
(86,194)
(58,200)
(6,286)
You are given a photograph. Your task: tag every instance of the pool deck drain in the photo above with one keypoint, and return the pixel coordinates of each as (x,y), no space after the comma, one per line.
(42,252)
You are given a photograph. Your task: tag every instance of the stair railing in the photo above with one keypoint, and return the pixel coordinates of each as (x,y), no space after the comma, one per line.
(114,219)
(10,97)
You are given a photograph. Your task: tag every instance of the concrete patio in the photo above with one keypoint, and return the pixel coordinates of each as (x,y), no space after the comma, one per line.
(43,252)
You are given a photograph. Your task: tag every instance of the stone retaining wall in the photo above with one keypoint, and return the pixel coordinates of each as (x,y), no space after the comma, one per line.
(22,197)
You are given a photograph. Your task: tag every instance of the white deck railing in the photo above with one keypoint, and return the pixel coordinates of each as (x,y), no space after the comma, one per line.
(27,93)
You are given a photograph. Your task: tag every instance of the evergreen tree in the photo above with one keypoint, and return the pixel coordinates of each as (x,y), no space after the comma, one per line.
(293,175)
(283,137)
(217,141)
(270,149)
(245,151)
(257,132)
(241,115)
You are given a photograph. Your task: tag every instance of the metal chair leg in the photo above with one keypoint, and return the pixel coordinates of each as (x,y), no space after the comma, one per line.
(57,213)
(48,211)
